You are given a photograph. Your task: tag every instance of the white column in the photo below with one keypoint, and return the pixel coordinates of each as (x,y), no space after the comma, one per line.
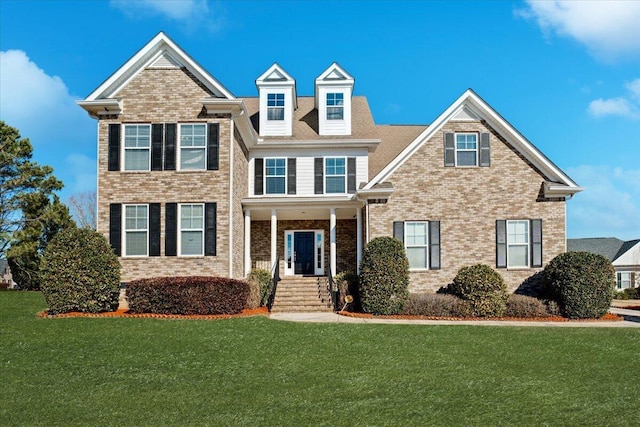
(274,236)
(332,231)
(247,242)
(358,238)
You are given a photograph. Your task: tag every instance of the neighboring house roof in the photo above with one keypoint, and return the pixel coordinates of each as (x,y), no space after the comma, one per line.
(610,247)
(393,139)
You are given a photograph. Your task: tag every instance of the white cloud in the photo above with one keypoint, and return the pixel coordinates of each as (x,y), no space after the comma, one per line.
(613,107)
(193,13)
(609,206)
(634,88)
(609,29)
(83,172)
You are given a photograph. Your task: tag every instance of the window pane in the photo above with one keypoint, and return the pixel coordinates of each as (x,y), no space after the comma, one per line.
(518,256)
(191,243)
(136,160)
(466,158)
(275,185)
(416,233)
(335,113)
(518,232)
(335,184)
(275,113)
(137,136)
(417,257)
(136,243)
(192,158)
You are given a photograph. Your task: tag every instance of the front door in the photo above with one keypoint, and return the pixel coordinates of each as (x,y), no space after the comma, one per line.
(303,253)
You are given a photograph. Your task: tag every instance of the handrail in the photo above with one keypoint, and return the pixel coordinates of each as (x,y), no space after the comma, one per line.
(333,292)
(275,275)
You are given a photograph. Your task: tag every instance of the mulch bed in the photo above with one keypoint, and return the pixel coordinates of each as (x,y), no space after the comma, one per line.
(609,317)
(262,311)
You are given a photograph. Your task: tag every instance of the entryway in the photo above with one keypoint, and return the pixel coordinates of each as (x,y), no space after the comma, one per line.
(304,252)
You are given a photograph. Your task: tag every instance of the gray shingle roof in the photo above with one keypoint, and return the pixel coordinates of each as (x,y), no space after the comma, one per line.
(609,247)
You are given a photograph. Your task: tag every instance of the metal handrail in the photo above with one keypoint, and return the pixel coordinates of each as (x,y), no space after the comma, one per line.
(275,278)
(333,291)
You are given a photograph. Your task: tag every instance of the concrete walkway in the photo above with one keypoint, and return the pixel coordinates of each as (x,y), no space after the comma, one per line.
(632,320)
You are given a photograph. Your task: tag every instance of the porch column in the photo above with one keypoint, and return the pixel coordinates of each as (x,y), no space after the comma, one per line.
(247,242)
(358,238)
(332,232)
(274,236)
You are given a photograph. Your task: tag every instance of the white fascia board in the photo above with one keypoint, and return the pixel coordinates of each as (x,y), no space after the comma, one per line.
(347,78)
(238,112)
(147,55)
(552,189)
(374,193)
(295,202)
(101,107)
(369,144)
(287,82)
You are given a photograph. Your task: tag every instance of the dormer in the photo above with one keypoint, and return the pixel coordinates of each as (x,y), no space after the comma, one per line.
(333,90)
(277,91)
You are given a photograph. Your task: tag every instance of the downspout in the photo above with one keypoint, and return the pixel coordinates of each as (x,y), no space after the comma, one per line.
(230,234)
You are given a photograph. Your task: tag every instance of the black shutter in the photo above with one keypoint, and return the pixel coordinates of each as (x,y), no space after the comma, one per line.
(209,229)
(501,243)
(170,147)
(351,175)
(449,150)
(213,147)
(154,229)
(114,147)
(115,227)
(536,243)
(434,245)
(291,176)
(485,149)
(318,165)
(156,147)
(258,177)
(398,230)
(171,229)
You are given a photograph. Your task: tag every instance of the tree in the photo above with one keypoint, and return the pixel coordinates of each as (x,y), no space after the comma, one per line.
(83,207)
(21,179)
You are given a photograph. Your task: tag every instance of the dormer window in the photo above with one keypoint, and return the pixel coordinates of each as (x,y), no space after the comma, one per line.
(335,106)
(275,106)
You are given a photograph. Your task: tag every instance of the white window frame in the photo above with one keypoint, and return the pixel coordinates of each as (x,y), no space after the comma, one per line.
(126,149)
(181,230)
(510,242)
(265,176)
(289,249)
(467,150)
(181,147)
(426,244)
(344,175)
(620,281)
(334,105)
(125,230)
(273,105)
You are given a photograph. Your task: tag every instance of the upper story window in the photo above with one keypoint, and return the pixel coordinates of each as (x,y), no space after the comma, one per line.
(275,176)
(137,147)
(275,106)
(192,229)
(518,243)
(335,106)
(335,175)
(193,146)
(136,230)
(466,149)
(416,244)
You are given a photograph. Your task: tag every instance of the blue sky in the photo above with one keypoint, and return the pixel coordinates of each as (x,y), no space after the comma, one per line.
(566,74)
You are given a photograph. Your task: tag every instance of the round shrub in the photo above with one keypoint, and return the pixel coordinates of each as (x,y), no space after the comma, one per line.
(80,272)
(482,288)
(384,276)
(582,283)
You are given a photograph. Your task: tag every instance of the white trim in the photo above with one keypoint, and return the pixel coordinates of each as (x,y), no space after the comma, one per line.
(123,148)
(180,230)
(466,150)
(180,147)
(231,182)
(324,174)
(528,244)
(332,241)
(264,177)
(124,230)
(247,242)
(426,245)
(290,270)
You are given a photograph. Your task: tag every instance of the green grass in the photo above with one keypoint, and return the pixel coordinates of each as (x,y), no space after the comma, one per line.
(256,371)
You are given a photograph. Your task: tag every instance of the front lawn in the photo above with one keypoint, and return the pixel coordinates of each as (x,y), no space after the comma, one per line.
(256,371)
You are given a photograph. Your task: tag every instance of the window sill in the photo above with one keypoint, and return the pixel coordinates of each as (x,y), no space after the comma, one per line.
(418,270)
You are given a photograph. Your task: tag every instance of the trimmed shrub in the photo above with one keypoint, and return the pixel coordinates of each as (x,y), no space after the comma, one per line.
(525,306)
(582,283)
(80,272)
(384,276)
(435,305)
(259,280)
(629,293)
(187,295)
(347,283)
(482,288)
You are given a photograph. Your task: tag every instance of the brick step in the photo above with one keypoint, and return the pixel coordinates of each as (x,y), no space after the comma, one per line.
(302,294)
(301,309)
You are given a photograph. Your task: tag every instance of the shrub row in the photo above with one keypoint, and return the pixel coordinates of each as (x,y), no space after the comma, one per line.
(629,293)
(187,295)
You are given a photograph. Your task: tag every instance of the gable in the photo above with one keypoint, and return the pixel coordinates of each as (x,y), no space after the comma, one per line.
(629,254)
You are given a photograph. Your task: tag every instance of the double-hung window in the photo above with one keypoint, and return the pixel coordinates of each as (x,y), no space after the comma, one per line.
(192,229)
(623,280)
(335,175)
(466,149)
(275,106)
(518,243)
(335,106)
(137,147)
(275,176)
(193,146)
(416,244)
(136,230)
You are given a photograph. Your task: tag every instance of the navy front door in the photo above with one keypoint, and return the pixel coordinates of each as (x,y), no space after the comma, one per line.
(303,256)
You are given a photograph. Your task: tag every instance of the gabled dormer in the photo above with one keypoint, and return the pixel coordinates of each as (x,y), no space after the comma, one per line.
(333,90)
(277,91)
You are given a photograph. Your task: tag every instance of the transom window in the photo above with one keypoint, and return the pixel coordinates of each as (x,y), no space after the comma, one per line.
(276,175)
(518,243)
(137,147)
(623,280)
(335,175)
(192,229)
(136,230)
(193,146)
(335,106)
(466,149)
(416,244)
(275,106)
